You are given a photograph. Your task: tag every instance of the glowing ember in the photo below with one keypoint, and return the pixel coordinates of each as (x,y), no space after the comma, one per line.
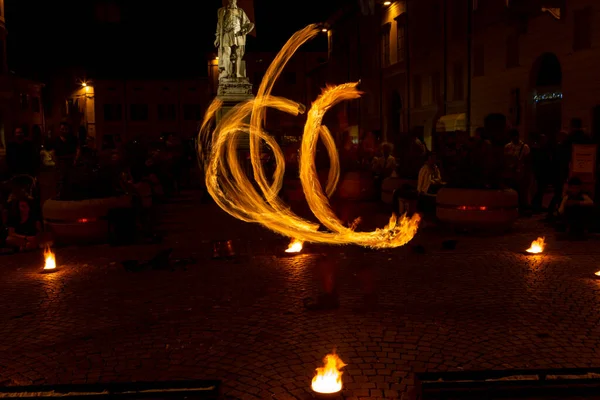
(537,246)
(50,259)
(258,202)
(295,246)
(329,378)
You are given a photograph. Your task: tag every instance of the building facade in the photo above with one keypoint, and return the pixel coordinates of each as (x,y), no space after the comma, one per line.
(536,63)
(433,66)
(20,98)
(113,111)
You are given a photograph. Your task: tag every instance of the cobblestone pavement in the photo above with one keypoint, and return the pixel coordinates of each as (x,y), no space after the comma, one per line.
(481,306)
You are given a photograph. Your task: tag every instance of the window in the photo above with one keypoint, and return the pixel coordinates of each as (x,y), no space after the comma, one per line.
(417,91)
(512,51)
(401,38)
(459,82)
(582,29)
(113,112)
(138,112)
(1,55)
(436,87)
(290,78)
(167,112)
(385,45)
(24,99)
(427,96)
(72,106)
(478,61)
(436,23)
(192,112)
(35,104)
(459,17)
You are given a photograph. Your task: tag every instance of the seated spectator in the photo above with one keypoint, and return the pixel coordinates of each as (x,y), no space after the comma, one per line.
(429,183)
(576,208)
(385,165)
(23,227)
(430,179)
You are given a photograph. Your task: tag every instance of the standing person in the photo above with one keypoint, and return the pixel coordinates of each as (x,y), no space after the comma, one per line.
(66,150)
(383,166)
(24,227)
(20,155)
(576,208)
(516,155)
(541,162)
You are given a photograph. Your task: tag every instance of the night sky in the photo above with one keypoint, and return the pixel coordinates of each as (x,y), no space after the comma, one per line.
(171,38)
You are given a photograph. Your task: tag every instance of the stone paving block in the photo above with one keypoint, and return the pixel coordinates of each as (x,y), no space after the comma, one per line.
(243,321)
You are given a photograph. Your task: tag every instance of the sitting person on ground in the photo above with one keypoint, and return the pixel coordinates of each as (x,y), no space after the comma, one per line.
(24,227)
(430,179)
(576,207)
(429,183)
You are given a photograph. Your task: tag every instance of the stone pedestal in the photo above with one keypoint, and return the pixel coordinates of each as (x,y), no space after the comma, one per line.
(232,92)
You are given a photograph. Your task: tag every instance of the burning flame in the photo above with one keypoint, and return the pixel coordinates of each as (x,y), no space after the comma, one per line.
(537,246)
(50,259)
(329,378)
(597,273)
(295,246)
(258,202)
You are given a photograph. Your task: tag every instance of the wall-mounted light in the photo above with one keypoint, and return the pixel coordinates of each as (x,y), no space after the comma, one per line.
(324,30)
(84,84)
(387,3)
(217,58)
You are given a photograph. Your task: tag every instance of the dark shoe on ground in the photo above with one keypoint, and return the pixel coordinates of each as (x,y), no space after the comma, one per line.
(324,302)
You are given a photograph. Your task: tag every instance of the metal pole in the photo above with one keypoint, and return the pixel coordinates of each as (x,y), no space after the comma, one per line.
(469,61)
(445,66)
(408,69)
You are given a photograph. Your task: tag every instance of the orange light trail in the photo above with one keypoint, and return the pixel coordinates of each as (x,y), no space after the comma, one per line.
(233,191)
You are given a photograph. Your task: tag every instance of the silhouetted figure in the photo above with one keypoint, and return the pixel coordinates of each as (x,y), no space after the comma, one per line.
(20,155)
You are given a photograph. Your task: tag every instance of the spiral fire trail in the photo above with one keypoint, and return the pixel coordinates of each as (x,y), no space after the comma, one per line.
(233,191)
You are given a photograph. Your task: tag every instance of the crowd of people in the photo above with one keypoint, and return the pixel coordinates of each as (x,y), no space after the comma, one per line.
(68,167)
(533,168)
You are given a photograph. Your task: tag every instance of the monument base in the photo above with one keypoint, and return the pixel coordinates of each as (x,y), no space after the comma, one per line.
(233,91)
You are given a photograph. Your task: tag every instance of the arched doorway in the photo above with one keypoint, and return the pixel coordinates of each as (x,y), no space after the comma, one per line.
(546,85)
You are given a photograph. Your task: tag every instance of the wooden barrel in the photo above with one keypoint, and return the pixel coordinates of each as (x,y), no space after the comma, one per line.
(356,186)
(479,208)
(81,221)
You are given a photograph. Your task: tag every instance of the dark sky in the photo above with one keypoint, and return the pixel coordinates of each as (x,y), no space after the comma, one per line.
(170,38)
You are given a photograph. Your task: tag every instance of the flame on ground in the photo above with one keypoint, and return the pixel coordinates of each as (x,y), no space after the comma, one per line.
(295,246)
(329,378)
(537,246)
(50,260)
(258,201)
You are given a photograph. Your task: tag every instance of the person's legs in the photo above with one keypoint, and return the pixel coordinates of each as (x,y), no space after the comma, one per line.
(576,218)
(15,242)
(538,198)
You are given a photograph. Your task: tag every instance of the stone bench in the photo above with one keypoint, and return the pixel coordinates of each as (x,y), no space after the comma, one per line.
(81,221)
(477,208)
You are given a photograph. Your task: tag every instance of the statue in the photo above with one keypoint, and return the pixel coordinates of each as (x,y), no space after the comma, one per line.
(232,27)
